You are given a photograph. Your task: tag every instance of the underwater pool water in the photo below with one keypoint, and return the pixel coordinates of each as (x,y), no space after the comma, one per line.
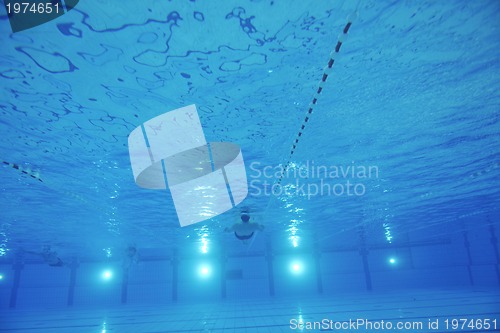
(375,184)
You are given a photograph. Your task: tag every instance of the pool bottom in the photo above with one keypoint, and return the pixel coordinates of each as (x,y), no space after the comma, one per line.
(410,311)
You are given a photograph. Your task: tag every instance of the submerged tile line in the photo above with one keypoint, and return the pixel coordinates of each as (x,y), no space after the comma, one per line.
(304,304)
(219,329)
(24,329)
(308,315)
(202,329)
(250,316)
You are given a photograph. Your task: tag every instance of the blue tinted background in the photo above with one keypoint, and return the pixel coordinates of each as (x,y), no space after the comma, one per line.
(413,92)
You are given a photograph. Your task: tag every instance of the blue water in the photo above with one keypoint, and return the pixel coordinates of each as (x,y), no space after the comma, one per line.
(413,94)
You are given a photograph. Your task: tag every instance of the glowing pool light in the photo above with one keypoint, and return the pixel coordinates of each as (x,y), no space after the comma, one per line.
(296,267)
(107,274)
(204,271)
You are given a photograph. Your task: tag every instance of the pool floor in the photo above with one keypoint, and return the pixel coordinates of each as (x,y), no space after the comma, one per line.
(432,309)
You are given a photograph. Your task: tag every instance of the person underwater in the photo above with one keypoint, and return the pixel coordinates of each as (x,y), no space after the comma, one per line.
(131,256)
(49,256)
(245,229)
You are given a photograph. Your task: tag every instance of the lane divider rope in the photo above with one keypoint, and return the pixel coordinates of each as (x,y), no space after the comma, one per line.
(326,72)
(26,171)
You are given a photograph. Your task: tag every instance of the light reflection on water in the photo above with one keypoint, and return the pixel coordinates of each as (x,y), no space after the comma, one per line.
(4,239)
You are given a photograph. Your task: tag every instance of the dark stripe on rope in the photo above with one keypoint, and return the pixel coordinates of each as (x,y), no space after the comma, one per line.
(18,167)
(347,26)
(337,48)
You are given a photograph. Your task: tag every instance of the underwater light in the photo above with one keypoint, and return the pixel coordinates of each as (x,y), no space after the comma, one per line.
(204,271)
(296,267)
(392,261)
(106,275)
(1,277)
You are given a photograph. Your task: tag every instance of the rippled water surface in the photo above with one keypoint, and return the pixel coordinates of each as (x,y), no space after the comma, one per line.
(413,93)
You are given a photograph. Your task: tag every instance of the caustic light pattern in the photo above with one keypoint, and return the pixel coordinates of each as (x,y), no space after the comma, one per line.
(205,179)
